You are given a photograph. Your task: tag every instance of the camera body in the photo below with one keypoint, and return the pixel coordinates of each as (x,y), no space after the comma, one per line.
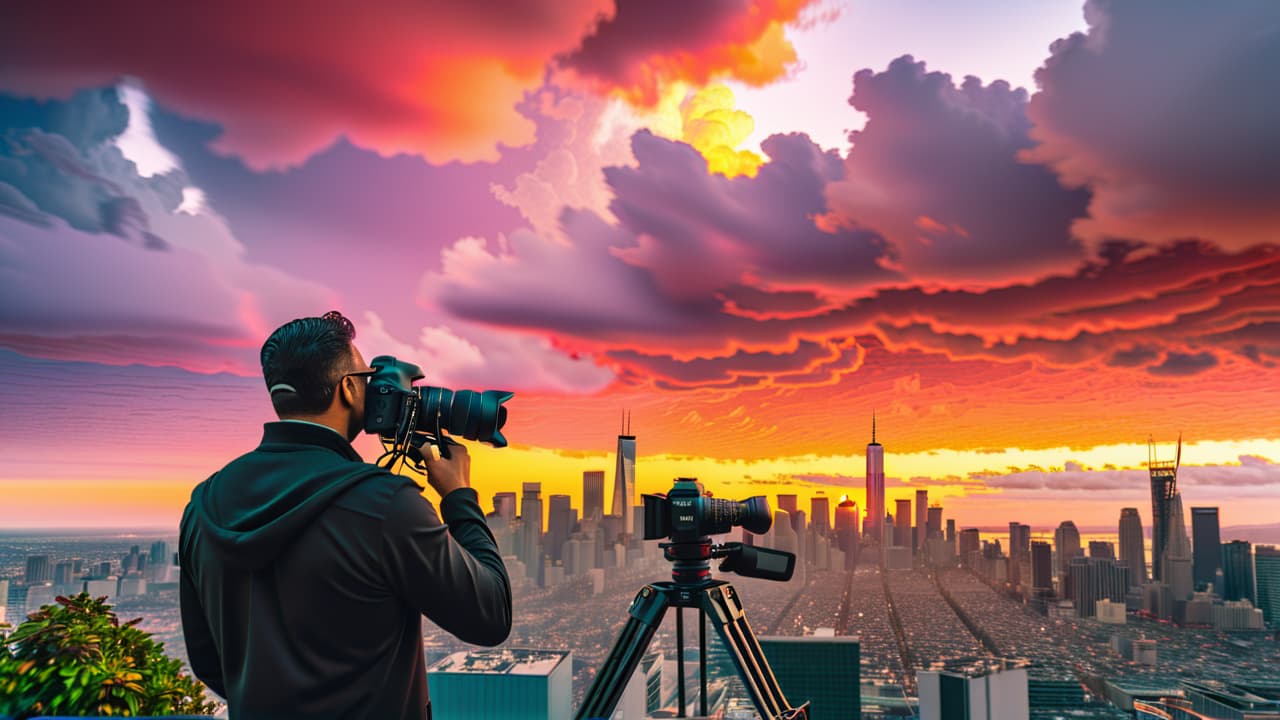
(395,408)
(686,514)
(686,517)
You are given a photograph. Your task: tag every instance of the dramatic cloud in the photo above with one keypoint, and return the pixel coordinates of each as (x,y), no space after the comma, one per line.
(684,236)
(808,363)
(198,301)
(438,79)
(698,233)
(349,219)
(649,43)
(99,263)
(936,172)
(1167,114)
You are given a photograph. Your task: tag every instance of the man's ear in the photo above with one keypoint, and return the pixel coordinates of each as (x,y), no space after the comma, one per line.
(347,390)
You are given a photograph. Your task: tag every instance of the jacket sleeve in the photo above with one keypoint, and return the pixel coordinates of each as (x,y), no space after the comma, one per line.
(201,651)
(451,572)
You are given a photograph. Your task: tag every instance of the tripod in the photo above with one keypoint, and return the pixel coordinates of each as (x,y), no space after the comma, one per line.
(718,599)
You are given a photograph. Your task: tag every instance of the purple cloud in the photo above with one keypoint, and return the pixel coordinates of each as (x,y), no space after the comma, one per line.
(1166,113)
(936,172)
(698,233)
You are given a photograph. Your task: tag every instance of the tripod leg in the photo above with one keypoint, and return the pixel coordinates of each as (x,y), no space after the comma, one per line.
(722,604)
(702,661)
(680,658)
(606,690)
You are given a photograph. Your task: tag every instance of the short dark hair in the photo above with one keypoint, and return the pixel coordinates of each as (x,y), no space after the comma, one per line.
(309,355)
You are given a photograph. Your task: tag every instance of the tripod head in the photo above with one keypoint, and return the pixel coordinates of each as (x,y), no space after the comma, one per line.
(691,561)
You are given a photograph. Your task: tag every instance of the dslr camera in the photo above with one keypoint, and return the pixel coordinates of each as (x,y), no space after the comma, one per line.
(406,416)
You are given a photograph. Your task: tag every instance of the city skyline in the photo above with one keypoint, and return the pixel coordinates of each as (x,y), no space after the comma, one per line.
(750,235)
(964,611)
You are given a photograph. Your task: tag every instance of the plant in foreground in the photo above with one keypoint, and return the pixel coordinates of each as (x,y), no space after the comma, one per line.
(78,658)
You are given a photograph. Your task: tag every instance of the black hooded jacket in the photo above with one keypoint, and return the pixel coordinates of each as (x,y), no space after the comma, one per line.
(306,573)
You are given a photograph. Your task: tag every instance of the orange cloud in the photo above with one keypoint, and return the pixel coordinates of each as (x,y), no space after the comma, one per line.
(651,44)
(284,80)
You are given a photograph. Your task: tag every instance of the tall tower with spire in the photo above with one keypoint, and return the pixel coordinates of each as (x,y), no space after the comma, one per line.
(873,526)
(624,477)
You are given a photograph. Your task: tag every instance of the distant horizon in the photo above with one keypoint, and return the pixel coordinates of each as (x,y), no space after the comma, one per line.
(88,530)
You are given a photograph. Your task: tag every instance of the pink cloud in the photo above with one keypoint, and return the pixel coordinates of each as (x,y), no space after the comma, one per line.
(936,172)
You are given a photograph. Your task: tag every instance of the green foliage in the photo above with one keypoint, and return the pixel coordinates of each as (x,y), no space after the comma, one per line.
(77,658)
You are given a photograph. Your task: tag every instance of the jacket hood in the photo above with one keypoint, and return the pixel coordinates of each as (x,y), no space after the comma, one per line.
(297,471)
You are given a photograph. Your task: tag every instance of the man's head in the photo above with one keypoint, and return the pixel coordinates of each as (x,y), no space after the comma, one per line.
(314,372)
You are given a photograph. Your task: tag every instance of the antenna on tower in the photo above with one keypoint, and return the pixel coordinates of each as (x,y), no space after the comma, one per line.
(1177,462)
(873,427)
(628,422)
(622,428)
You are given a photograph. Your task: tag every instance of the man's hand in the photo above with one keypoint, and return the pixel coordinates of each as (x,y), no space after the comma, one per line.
(447,475)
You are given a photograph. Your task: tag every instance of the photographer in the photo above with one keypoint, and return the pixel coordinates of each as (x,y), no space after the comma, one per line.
(306,571)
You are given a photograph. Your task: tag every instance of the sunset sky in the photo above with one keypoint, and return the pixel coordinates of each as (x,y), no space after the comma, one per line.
(1026,235)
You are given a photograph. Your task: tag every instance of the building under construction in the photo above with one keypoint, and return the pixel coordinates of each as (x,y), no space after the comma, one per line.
(1164,485)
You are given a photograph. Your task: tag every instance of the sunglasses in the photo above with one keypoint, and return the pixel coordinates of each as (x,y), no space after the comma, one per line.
(366,374)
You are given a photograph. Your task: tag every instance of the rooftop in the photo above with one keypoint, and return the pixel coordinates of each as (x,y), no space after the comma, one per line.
(504,661)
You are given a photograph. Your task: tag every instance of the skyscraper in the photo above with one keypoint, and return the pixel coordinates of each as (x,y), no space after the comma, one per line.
(933,527)
(159,553)
(38,570)
(1102,549)
(1177,553)
(922,519)
(820,512)
(559,525)
(62,573)
(1019,550)
(504,506)
(1094,579)
(1206,557)
(1164,486)
(1266,563)
(1067,541)
(902,524)
(531,528)
(624,478)
(1132,552)
(1237,572)
(592,494)
(787,501)
(847,530)
(1041,565)
(874,527)
(970,542)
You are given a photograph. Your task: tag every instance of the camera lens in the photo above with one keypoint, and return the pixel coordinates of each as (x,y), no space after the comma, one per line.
(466,413)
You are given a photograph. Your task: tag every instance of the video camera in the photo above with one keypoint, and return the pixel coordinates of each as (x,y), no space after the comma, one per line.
(407,417)
(686,516)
